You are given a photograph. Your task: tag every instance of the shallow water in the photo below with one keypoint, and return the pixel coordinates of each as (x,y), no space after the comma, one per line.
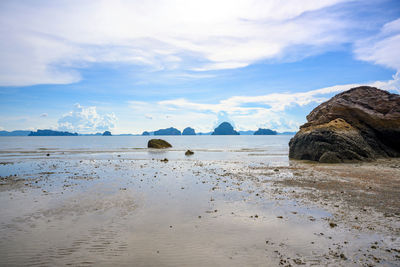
(243,148)
(104,206)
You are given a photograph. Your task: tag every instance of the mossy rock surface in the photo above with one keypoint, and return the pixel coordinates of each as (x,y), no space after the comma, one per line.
(330,157)
(158,143)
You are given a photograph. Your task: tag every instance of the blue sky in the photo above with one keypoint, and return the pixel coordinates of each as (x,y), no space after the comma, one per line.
(131,66)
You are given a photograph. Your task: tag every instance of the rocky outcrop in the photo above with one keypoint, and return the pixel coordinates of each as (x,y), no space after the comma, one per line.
(107,133)
(168,131)
(224,128)
(362,123)
(262,131)
(188,131)
(158,143)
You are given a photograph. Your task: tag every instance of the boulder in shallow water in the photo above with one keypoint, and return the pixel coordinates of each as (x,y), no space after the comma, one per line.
(362,123)
(158,143)
(189,152)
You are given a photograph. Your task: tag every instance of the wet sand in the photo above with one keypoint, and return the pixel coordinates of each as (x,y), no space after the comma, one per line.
(112,209)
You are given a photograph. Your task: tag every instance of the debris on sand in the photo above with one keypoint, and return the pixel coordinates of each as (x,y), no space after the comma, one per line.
(332,224)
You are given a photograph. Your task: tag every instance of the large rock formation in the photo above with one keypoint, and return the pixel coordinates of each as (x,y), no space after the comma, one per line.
(188,131)
(168,131)
(362,123)
(224,128)
(262,131)
(107,133)
(158,143)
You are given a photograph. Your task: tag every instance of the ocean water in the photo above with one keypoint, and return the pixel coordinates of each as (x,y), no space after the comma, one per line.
(273,149)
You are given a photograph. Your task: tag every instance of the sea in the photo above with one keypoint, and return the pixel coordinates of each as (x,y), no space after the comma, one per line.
(268,148)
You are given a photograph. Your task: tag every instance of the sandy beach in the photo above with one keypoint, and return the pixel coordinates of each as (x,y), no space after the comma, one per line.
(110,209)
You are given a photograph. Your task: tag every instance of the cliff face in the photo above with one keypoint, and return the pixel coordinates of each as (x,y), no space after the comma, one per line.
(362,123)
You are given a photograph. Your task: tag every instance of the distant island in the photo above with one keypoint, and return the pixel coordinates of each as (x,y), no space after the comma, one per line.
(262,131)
(51,133)
(15,133)
(188,131)
(96,134)
(249,132)
(168,131)
(225,128)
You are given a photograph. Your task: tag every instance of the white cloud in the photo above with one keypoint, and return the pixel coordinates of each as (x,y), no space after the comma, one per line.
(245,112)
(275,101)
(384,48)
(391,85)
(86,120)
(47,41)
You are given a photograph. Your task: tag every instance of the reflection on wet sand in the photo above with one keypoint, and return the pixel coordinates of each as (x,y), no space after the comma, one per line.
(107,209)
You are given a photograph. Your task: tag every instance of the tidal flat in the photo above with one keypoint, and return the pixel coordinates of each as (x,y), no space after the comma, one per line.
(112,208)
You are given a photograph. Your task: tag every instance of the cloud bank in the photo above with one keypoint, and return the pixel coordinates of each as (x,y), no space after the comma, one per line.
(86,120)
(47,42)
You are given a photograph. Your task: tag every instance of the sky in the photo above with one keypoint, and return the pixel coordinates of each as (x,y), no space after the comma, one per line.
(132,66)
